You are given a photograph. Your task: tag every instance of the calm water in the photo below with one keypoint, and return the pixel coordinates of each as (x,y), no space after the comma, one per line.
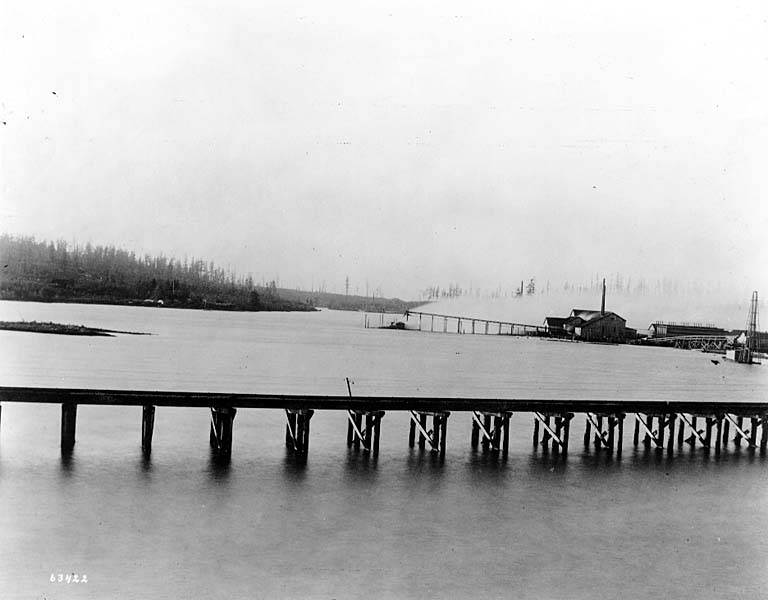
(342,526)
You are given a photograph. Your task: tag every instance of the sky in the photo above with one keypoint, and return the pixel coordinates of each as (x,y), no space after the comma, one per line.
(400,144)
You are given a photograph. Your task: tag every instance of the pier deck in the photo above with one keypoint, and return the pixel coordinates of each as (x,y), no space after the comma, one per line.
(552,418)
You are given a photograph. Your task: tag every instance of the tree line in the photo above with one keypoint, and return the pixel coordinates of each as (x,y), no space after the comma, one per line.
(59,272)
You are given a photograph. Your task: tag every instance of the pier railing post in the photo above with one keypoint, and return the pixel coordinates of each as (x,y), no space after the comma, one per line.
(68,423)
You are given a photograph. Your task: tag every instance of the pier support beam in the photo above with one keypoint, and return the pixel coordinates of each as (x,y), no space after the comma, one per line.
(651,436)
(68,423)
(559,435)
(147,428)
(610,438)
(436,437)
(222,420)
(369,435)
(297,430)
(494,428)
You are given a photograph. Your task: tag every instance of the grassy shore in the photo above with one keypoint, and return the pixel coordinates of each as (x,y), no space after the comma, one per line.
(62,329)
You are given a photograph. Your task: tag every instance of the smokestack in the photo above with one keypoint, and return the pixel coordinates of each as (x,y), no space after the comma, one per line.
(602,304)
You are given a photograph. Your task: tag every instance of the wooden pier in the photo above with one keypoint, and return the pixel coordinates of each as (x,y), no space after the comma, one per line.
(440,323)
(659,425)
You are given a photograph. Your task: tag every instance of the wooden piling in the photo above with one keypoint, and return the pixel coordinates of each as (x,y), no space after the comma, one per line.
(147,427)
(377,431)
(726,433)
(662,421)
(566,431)
(369,430)
(694,437)
(671,438)
(649,425)
(681,432)
(475,434)
(290,429)
(535,432)
(436,426)
(763,434)
(351,433)
(545,436)
(611,428)
(737,437)
(359,424)
(487,424)
(68,425)
(498,425)
(598,431)
(636,437)
(753,432)
(620,440)
(558,433)
(222,420)
(587,432)
(412,433)
(423,423)
(444,433)
(305,439)
(505,447)
(708,432)
(719,433)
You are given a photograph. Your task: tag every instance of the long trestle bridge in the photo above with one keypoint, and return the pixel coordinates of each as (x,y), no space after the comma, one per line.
(434,322)
(657,424)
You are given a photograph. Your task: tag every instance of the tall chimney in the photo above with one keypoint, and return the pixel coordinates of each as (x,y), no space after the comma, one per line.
(602,304)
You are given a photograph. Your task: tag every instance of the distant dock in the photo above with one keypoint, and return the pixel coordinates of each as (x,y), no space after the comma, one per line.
(441,323)
(657,424)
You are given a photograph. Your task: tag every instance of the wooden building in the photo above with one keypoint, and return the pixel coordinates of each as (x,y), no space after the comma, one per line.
(660,329)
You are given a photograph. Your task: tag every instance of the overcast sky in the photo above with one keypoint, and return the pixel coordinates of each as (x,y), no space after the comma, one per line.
(400,143)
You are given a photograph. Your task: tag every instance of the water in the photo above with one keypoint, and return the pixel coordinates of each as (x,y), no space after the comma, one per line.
(405,525)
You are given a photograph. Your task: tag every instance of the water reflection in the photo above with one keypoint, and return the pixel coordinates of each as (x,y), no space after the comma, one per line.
(67,462)
(295,466)
(219,467)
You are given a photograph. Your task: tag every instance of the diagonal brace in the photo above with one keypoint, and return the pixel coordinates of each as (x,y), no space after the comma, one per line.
(426,435)
(688,422)
(488,435)
(549,430)
(600,433)
(744,433)
(659,443)
(358,433)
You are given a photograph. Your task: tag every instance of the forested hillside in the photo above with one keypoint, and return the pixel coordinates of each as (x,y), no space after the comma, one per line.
(57,272)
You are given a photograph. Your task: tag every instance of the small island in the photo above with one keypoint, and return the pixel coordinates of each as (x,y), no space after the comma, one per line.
(62,329)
